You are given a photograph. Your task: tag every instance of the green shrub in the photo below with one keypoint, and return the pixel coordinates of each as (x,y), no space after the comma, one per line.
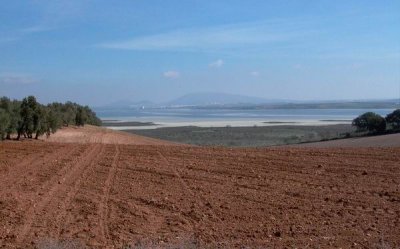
(393,119)
(370,121)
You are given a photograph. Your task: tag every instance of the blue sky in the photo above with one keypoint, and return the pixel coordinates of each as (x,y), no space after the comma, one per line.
(96,51)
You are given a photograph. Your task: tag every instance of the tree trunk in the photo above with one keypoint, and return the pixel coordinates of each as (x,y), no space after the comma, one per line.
(8,137)
(19,135)
(37,135)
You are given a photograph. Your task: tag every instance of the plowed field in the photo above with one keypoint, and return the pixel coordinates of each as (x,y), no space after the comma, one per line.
(113,195)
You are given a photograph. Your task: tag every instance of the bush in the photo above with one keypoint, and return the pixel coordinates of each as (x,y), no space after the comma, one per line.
(371,122)
(393,119)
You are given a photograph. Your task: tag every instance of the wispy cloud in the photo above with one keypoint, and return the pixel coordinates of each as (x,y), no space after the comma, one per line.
(298,66)
(16,79)
(37,29)
(211,38)
(22,33)
(8,39)
(255,73)
(171,74)
(52,14)
(356,65)
(217,64)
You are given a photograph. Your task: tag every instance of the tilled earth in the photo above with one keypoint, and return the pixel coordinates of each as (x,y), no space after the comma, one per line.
(115,195)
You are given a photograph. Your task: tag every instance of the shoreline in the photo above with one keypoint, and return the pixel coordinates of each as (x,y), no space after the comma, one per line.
(141,125)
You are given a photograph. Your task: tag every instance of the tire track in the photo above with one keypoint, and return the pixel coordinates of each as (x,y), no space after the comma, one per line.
(104,209)
(53,192)
(126,206)
(66,203)
(199,199)
(183,183)
(49,165)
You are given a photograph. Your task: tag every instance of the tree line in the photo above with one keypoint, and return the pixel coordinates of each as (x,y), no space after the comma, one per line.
(30,119)
(373,122)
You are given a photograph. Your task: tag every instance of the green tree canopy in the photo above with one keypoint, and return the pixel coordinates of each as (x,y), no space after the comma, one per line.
(4,123)
(370,121)
(29,118)
(393,119)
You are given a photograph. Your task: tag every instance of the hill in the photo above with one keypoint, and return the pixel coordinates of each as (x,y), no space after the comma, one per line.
(95,134)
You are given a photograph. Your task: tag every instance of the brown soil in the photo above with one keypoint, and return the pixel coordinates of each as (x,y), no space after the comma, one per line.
(111,195)
(392,140)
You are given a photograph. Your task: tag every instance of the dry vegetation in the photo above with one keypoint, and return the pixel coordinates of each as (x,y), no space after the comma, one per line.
(247,136)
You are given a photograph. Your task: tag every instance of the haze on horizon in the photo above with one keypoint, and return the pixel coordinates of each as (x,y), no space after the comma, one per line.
(98,52)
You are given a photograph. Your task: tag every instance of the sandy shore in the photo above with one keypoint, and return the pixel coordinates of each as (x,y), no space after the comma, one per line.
(230,123)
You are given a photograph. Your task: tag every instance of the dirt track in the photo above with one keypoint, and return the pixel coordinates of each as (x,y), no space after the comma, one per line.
(111,195)
(392,140)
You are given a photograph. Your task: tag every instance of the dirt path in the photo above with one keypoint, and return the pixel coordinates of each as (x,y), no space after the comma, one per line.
(392,140)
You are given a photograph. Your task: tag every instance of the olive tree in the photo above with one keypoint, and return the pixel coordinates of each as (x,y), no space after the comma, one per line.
(4,123)
(393,119)
(30,119)
(370,121)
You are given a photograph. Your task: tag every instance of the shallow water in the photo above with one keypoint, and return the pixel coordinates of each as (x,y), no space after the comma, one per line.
(234,118)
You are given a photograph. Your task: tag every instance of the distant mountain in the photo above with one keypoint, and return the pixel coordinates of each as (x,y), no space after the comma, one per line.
(213,98)
(360,104)
(235,101)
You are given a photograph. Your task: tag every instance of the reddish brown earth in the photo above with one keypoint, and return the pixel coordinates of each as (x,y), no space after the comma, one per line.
(392,140)
(93,134)
(112,195)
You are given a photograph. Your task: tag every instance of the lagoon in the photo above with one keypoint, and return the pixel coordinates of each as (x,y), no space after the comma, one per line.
(178,117)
